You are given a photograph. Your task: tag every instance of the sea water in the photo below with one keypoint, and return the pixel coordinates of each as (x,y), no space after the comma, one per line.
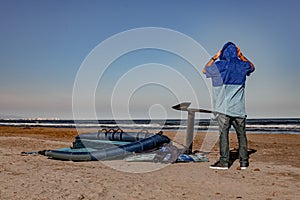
(277,125)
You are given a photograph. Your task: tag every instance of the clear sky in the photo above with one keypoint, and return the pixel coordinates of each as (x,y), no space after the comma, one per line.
(43,44)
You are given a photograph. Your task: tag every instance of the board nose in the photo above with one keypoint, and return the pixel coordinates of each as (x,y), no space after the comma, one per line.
(182,106)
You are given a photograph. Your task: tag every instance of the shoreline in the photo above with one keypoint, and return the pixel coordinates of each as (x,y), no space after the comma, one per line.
(274,171)
(164,129)
(263,125)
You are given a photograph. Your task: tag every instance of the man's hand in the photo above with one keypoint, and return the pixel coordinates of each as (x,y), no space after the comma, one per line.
(242,57)
(238,51)
(217,55)
(211,61)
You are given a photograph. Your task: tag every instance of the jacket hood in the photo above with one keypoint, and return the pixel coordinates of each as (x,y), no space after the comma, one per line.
(229,52)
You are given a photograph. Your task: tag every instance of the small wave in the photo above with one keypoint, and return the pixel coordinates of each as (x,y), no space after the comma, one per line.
(278,126)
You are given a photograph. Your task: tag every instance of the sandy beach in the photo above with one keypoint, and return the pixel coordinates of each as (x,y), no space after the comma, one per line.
(274,171)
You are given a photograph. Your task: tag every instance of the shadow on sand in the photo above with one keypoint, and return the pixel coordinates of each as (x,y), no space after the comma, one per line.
(234,155)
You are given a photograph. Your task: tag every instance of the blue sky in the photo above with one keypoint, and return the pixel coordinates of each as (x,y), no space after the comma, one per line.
(43,44)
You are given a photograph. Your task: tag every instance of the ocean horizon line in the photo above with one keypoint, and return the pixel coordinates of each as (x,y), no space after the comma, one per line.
(269,125)
(110,119)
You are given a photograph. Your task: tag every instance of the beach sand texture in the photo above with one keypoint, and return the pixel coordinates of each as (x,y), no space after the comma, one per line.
(274,171)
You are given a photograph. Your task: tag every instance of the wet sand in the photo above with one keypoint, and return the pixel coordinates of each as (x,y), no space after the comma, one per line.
(274,171)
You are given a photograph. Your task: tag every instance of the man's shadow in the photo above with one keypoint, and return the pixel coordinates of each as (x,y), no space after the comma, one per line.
(234,155)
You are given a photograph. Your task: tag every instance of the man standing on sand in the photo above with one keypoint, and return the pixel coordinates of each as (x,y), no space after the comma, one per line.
(228,80)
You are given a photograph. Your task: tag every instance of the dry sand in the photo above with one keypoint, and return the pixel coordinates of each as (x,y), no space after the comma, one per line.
(274,171)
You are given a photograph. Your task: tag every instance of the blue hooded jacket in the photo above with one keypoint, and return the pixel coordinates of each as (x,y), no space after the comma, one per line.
(228,79)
